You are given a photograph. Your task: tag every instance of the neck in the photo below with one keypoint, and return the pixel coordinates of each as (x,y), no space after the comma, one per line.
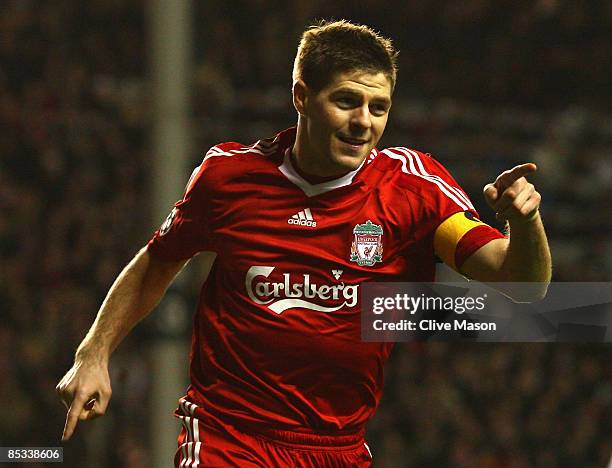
(306,164)
(311,178)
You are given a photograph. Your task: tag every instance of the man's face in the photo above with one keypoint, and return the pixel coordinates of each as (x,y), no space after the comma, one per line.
(344,121)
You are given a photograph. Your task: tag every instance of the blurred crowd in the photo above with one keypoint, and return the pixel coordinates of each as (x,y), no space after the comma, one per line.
(495,406)
(482,85)
(73,182)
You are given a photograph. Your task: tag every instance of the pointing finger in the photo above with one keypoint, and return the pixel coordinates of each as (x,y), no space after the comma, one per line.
(73,417)
(507,178)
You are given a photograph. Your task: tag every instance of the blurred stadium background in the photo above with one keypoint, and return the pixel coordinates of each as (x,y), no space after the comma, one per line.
(89,134)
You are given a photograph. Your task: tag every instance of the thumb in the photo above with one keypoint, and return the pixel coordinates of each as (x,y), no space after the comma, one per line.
(490,193)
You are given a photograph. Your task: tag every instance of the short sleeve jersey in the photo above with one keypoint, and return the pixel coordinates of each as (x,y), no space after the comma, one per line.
(277,339)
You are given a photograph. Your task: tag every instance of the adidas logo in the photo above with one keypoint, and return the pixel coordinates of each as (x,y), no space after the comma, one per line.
(303,218)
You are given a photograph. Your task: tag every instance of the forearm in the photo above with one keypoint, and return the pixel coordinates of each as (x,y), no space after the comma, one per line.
(135,292)
(520,266)
(528,256)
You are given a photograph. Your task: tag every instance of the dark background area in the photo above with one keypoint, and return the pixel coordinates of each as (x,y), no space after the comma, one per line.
(482,85)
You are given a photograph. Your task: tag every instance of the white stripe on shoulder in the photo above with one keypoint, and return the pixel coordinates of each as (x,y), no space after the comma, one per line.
(372,155)
(242,151)
(263,148)
(214,149)
(421,167)
(405,160)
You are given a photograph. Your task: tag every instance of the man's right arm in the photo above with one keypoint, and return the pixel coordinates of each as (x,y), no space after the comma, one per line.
(135,292)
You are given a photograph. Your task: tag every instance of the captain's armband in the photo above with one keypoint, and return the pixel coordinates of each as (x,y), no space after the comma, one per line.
(450,232)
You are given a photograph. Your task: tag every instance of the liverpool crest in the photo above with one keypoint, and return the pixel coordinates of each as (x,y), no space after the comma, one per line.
(367,248)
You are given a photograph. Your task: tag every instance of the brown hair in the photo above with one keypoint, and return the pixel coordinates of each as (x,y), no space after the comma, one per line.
(332,47)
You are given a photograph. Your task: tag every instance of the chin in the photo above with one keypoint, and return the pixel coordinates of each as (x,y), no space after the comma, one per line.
(351,157)
(349,162)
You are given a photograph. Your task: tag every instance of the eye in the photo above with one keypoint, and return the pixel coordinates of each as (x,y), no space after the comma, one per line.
(378,110)
(346,102)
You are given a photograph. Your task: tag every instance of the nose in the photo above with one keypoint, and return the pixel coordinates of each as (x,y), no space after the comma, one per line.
(361,118)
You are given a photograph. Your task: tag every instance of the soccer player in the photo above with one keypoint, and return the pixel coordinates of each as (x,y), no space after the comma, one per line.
(297,223)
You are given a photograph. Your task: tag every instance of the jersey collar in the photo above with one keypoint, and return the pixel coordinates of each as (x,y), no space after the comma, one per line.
(312,190)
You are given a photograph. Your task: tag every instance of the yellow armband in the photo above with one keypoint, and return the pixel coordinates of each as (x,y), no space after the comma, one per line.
(449,233)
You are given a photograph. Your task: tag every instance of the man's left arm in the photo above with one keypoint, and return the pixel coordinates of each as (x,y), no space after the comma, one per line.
(525,256)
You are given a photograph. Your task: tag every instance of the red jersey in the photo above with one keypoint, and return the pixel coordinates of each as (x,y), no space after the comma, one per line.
(277,333)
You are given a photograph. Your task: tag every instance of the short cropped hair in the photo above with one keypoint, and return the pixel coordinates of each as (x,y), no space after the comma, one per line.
(332,47)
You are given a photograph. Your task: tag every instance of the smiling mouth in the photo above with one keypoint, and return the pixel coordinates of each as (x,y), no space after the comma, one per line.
(352,141)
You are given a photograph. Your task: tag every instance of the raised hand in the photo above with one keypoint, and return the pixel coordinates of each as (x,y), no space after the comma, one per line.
(512,196)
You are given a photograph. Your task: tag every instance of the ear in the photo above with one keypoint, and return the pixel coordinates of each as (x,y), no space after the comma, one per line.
(300,97)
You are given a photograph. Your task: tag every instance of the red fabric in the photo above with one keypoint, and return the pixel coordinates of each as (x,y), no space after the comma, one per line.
(207,443)
(262,355)
(473,240)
